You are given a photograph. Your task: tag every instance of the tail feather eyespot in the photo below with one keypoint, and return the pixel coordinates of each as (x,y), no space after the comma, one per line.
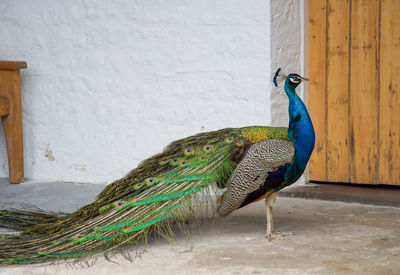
(138,186)
(174,161)
(183,163)
(134,201)
(239,143)
(189,151)
(150,181)
(118,204)
(78,237)
(164,161)
(203,158)
(208,148)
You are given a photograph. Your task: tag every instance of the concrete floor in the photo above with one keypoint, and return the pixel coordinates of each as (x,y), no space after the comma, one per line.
(329,238)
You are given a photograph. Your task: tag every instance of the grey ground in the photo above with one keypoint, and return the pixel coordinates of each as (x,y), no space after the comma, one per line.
(329,238)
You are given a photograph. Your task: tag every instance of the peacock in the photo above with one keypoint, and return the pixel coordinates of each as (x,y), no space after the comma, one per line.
(252,163)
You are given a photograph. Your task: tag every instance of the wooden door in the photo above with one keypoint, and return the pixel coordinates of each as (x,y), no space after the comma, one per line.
(354,71)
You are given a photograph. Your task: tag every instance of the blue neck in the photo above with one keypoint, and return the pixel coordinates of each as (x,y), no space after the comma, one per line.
(301,132)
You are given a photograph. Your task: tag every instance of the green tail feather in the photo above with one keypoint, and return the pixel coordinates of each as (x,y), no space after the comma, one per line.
(158,193)
(21,219)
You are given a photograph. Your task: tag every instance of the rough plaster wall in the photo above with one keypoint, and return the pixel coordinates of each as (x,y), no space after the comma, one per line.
(110,83)
(285,51)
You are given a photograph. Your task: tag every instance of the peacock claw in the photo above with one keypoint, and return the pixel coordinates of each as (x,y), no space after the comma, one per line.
(276,235)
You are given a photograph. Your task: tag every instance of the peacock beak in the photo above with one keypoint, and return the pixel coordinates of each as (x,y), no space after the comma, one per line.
(306,79)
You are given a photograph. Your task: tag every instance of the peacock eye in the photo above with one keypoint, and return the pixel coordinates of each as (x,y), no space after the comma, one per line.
(295,80)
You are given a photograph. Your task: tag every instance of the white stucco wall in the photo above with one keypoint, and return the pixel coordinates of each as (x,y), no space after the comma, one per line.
(286,33)
(110,83)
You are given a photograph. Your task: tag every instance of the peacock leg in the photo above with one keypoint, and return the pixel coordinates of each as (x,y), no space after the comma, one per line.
(271,233)
(270,219)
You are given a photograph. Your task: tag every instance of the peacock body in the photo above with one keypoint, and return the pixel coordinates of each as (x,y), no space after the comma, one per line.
(251,162)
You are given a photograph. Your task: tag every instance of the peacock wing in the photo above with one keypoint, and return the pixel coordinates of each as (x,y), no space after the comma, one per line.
(261,159)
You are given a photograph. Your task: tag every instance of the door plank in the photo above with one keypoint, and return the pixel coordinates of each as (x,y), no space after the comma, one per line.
(337,91)
(389,117)
(317,87)
(364,91)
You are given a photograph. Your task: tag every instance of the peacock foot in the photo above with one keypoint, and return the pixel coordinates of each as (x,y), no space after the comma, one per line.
(276,235)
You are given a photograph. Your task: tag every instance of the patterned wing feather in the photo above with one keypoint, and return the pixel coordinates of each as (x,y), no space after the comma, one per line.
(261,159)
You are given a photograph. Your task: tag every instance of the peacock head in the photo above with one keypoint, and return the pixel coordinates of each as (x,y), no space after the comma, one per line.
(293,80)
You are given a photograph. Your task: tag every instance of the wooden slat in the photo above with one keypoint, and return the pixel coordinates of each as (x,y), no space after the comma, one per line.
(337,91)
(317,87)
(12,65)
(4,106)
(364,91)
(389,116)
(10,88)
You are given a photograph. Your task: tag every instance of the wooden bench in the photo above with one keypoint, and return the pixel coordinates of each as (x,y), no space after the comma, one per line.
(11,116)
